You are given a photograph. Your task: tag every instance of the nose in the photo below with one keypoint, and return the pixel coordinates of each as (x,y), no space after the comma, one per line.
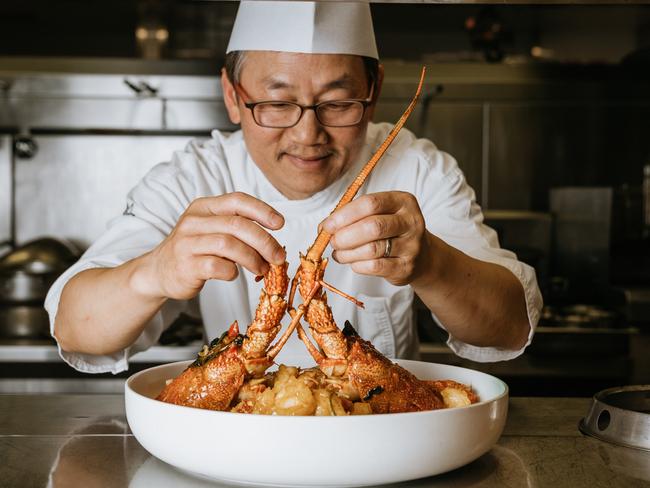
(308,131)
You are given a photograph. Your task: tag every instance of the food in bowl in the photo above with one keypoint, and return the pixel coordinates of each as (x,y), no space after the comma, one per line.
(372,384)
(294,391)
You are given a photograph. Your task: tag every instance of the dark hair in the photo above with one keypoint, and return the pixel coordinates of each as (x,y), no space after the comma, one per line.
(235,60)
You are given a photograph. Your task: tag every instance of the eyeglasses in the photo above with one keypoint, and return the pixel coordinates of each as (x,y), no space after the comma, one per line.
(277,114)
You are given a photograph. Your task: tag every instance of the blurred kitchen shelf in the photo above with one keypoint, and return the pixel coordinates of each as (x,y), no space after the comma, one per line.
(619,356)
(134,66)
(49,353)
(30,351)
(44,386)
(518,2)
(587,330)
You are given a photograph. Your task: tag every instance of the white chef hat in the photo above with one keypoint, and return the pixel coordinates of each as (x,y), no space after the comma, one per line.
(322,27)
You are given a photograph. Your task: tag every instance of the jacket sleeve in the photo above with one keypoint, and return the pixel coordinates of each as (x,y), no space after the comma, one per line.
(452,214)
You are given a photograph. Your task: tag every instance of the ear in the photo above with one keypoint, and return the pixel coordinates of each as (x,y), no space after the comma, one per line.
(230,98)
(377,91)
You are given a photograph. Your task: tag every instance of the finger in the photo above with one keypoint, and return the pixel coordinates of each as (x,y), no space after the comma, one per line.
(242,228)
(369,229)
(376,267)
(369,251)
(231,248)
(241,204)
(362,207)
(215,268)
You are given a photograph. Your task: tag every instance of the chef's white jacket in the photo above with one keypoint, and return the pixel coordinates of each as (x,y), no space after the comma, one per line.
(223,165)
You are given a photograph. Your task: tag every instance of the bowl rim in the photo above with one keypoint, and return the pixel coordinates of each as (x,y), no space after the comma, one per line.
(313,418)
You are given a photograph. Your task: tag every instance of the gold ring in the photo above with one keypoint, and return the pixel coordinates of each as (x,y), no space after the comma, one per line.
(389,246)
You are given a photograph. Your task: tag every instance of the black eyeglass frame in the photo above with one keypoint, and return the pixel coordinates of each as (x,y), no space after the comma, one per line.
(365,102)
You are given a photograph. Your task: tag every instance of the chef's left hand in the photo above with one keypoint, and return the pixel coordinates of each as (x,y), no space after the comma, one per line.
(361,229)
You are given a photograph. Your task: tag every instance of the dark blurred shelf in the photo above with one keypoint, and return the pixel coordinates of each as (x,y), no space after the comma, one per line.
(530,375)
(81,65)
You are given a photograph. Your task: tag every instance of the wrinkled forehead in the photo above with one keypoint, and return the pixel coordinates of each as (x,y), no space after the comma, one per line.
(276,70)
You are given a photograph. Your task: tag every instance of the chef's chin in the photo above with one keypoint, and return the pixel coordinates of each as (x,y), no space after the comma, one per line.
(311,184)
(303,184)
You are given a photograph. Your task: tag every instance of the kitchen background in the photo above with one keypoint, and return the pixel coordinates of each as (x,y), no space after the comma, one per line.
(546,109)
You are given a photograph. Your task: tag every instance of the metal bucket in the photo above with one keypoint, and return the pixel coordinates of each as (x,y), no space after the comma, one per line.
(620,416)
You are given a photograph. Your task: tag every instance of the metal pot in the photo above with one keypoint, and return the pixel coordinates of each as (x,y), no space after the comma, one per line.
(27,272)
(22,287)
(24,322)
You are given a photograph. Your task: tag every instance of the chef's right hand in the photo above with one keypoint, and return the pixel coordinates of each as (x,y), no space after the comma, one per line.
(210,239)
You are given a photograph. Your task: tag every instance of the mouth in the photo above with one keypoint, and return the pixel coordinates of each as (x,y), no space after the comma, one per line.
(308,161)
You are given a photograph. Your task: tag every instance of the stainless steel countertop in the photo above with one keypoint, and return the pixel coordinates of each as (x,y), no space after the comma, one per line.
(84,440)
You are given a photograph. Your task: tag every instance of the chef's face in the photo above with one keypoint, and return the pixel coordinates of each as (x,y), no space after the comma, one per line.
(306,158)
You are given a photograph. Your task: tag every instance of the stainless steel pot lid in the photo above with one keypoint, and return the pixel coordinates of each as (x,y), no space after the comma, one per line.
(44,255)
(621,416)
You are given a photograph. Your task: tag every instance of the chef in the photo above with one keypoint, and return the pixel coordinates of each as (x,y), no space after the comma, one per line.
(302,79)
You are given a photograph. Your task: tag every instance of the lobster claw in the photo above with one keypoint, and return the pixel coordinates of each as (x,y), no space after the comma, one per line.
(213,380)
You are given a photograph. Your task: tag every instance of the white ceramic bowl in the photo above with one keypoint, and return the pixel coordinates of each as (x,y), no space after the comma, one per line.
(317,451)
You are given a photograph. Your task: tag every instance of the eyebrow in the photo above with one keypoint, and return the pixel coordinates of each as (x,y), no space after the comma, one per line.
(344,81)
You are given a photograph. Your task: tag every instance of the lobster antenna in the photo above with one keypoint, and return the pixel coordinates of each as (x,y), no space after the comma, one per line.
(323,239)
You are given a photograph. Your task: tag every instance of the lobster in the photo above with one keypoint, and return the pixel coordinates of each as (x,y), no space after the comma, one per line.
(222,367)
(364,371)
